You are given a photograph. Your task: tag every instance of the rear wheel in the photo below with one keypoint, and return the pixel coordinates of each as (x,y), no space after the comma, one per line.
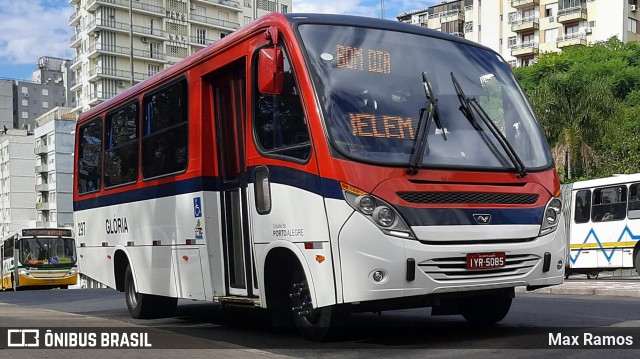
(486,309)
(146,306)
(317,324)
(637,261)
(593,275)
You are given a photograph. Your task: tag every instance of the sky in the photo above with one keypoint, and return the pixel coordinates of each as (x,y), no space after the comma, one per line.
(30,29)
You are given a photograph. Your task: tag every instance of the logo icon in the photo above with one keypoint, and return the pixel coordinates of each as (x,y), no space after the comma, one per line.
(482,218)
(23,338)
(197,207)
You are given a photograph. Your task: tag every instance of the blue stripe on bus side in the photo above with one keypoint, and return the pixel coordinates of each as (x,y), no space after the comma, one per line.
(278,174)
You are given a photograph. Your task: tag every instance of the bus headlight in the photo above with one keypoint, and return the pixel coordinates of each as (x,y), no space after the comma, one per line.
(384,216)
(551,216)
(24,272)
(381,213)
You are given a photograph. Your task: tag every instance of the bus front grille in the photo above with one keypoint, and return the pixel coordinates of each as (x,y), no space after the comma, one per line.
(455,268)
(469,197)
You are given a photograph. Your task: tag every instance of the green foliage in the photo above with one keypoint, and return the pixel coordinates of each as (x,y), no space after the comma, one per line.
(587,100)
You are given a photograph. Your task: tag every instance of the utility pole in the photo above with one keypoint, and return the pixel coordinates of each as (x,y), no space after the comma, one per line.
(382,9)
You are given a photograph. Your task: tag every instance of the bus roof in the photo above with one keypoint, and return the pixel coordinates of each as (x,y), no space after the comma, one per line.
(606,181)
(268,20)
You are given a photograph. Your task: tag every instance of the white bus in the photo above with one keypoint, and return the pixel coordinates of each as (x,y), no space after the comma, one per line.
(604,225)
(38,258)
(316,165)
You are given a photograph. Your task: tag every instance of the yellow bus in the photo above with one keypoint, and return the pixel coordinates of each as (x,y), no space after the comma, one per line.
(38,258)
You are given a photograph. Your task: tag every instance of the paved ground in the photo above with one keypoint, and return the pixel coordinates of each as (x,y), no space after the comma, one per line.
(620,283)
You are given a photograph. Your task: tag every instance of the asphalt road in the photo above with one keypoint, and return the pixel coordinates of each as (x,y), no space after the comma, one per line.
(406,333)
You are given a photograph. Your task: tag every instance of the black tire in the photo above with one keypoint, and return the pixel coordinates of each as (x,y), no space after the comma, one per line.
(637,262)
(146,306)
(486,309)
(319,324)
(593,275)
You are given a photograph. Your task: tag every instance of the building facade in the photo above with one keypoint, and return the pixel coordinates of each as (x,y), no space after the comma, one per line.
(53,148)
(17,205)
(21,102)
(119,43)
(520,30)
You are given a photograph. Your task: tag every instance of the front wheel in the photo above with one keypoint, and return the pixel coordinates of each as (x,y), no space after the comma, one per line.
(146,306)
(317,324)
(486,309)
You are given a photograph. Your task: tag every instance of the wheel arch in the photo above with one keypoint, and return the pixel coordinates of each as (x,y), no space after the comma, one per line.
(120,262)
(281,260)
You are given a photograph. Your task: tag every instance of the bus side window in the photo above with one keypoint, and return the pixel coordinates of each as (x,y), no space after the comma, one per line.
(279,122)
(121,146)
(609,204)
(90,157)
(164,128)
(634,202)
(583,206)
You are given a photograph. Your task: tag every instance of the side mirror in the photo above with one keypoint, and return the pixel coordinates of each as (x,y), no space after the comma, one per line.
(270,71)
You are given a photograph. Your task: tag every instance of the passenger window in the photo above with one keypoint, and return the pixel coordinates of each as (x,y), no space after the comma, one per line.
(583,206)
(609,204)
(164,140)
(279,123)
(90,157)
(634,201)
(121,143)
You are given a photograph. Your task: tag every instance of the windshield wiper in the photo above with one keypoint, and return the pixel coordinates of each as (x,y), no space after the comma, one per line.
(422,132)
(468,106)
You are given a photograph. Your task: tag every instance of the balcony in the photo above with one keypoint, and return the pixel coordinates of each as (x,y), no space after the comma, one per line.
(42,168)
(45,187)
(98,48)
(150,55)
(524,49)
(44,149)
(74,18)
(452,15)
(200,41)
(97,97)
(572,14)
(139,6)
(102,72)
(108,24)
(148,32)
(571,40)
(233,5)
(45,206)
(530,23)
(227,25)
(92,5)
(518,4)
(75,41)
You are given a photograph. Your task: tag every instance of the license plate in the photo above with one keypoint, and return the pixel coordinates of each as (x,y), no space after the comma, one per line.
(486,260)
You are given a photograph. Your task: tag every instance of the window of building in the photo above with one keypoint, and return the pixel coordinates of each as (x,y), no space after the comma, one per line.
(153,69)
(280,124)
(201,36)
(548,11)
(512,41)
(121,146)
(551,35)
(25,90)
(25,114)
(247,3)
(247,20)
(45,92)
(90,156)
(164,139)
(633,25)
(284,8)
(25,102)
(45,104)
(223,15)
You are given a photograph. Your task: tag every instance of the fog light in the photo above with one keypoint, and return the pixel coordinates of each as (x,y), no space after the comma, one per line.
(560,264)
(378,276)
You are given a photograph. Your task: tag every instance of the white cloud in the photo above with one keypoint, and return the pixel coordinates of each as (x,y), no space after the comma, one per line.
(31,29)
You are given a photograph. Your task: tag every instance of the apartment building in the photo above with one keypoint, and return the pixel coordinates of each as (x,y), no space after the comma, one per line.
(119,43)
(22,101)
(17,197)
(520,30)
(53,149)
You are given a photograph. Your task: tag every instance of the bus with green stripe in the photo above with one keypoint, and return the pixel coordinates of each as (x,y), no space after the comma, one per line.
(38,258)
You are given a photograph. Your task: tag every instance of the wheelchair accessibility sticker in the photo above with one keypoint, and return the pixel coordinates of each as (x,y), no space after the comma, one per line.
(197,207)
